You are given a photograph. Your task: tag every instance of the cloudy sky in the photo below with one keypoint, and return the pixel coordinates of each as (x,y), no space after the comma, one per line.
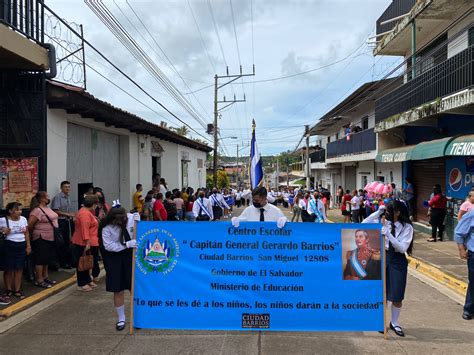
(190,41)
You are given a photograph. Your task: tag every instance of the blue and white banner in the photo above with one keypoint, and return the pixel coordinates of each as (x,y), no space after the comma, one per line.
(256,169)
(212,276)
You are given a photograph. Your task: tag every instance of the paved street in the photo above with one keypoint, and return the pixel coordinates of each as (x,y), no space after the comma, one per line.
(86,323)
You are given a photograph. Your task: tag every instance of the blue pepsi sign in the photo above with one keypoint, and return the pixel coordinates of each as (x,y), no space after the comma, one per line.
(459,176)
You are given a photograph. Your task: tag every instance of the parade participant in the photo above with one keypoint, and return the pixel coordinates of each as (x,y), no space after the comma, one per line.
(202,208)
(296,207)
(466,205)
(84,239)
(316,209)
(16,246)
(363,263)
(398,232)
(464,237)
(355,207)
(117,248)
(409,193)
(171,211)
(238,198)
(159,210)
(304,205)
(62,205)
(163,187)
(179,203)
(346,206)
(437,205)
(189,215)
(147,211)
(41,224)
(260,210)
(218,204)
(102,208)
(339,194)
(138,199)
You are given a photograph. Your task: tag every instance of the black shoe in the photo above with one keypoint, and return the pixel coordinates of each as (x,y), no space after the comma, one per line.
(397,329)
(120,326)
(466,316)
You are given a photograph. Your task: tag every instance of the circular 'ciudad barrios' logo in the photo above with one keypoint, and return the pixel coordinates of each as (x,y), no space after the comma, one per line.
(157,251)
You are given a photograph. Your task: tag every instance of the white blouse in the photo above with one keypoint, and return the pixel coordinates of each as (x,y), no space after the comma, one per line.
(403,233)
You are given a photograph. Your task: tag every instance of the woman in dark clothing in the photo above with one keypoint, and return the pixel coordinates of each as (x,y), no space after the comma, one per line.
(437,212)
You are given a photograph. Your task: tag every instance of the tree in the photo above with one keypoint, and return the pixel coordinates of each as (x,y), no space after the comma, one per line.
(222,180)
(182,131)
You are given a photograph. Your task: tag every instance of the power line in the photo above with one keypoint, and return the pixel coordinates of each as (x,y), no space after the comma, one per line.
(120,70)
(164,53)
(135,49)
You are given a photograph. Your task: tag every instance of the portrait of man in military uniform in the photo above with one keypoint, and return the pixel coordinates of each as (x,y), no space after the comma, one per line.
(363,262)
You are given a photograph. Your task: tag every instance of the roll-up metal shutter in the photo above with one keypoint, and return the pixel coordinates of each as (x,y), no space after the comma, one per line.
(427,173)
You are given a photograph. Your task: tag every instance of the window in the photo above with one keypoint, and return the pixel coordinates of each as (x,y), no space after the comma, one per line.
(471,37)
(329,139)
(200,163)
(365,123)
(337,135)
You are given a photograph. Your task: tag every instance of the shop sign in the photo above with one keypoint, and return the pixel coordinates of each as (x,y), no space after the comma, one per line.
(394,157)
(21,180)
(459,176)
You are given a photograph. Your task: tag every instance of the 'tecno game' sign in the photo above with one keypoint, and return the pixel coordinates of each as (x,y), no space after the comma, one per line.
(394,157)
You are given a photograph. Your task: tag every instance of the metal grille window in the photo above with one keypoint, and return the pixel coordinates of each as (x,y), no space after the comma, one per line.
(200,163)
(365,123)
(471,37)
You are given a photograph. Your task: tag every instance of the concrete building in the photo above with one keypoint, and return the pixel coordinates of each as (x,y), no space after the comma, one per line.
(350,145)
(92,143)
(432,110)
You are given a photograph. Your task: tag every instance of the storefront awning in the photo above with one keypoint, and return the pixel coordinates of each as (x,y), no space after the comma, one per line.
(431,149)
(461,146)
(395,155)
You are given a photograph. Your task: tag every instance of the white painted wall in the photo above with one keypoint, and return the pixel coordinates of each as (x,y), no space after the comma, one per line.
(365,168)
(135,157)
(388,170)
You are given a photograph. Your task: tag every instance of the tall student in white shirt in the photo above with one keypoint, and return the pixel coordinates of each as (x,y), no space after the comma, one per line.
(202,208)
(398,232)
(260,210)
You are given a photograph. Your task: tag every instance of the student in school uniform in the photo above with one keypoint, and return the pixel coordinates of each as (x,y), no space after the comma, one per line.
(260,210)
(304,206)
(202,208)
(316,209)
(218,204)
(398,232)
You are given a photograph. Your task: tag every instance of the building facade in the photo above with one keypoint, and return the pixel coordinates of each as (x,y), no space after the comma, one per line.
(432,110)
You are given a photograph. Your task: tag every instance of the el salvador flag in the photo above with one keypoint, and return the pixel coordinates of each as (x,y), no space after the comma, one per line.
(256,170)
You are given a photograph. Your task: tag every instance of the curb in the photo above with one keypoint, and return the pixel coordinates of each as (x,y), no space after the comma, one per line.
(434,273)
(36,298)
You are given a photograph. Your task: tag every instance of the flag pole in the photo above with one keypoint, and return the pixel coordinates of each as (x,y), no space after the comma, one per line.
(132,291)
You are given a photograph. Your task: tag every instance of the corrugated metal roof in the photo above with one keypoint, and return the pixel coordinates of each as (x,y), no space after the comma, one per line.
(78,101)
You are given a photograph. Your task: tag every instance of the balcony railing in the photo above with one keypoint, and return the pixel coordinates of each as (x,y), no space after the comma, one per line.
(396,8)
(454,74)
(24,16)
(361,142)
(318,156)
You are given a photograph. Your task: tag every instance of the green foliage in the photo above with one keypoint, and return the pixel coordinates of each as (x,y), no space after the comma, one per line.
(222,180)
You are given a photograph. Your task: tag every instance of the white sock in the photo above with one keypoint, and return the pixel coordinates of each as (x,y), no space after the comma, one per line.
(395,315)
(120,313)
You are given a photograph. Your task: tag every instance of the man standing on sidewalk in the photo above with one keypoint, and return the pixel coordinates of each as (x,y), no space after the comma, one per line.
(464,237)
(62,205)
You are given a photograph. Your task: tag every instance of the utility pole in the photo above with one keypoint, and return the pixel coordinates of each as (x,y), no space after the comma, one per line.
(287,172)
(308,179)
(238,172)
(227,103)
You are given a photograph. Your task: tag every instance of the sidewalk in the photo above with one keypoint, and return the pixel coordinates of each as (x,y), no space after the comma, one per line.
(439,261)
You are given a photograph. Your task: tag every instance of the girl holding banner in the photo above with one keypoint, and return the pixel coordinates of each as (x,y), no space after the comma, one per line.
(398,232)
(117,250)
